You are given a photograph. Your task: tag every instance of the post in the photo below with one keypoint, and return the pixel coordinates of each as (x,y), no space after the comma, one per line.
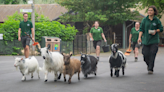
(123,39)
(33,22)
(114,37)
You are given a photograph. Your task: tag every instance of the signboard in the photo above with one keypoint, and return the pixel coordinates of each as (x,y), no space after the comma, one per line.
(25,10)
(30,2)
(1,36)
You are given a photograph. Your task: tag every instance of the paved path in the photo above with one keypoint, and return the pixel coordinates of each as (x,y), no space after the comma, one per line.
(136,78)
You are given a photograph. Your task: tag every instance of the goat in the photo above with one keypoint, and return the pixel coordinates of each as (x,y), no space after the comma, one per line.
(26,66)
(71,66)
(117,60)
(88,64)
(53,62)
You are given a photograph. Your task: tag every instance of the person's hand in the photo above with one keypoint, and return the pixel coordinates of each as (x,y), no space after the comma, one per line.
(33,38)
(139,40)
(19,38)
(92,39)
(104,40)
(154,32)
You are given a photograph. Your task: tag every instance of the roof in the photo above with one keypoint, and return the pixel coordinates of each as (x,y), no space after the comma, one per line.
(52,11)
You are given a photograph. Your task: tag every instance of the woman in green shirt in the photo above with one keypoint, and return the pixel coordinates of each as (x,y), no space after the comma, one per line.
(134,38)
(96,35)
(150,27)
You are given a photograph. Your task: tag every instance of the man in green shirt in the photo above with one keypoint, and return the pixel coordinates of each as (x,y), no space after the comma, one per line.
(150,26)
(134,38)
(96,35)
(25,26)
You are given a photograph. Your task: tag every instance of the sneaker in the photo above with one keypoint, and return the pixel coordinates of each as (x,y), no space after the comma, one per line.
(136,59)
(150,72)
(98,58)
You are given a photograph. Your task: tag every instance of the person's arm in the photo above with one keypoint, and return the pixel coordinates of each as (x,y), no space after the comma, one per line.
(130,37)
(160,28)
(139,37)
(19,32)
(32,30)
(141,30)
(103,36)
(90,35)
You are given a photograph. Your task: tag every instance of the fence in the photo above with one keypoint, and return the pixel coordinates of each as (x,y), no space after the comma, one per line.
(10,47)
(81,43)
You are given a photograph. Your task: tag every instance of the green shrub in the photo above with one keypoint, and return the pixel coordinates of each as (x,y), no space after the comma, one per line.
(43,27)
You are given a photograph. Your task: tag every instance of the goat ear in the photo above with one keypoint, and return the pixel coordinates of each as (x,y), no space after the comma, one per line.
(62,53)
(48,46)
(116,45)
(21,58)
(70,55)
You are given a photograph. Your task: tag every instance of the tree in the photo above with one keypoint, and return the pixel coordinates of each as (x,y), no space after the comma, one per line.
(158,3)
(107,12)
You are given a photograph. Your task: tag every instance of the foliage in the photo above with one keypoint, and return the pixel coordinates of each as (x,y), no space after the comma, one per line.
(43,27)
(54,28)
(158,3)
(16,51)
(108,12)
(25,1)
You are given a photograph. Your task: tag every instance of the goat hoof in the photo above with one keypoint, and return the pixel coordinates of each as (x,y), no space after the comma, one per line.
(95,74)
(111,75)
(69,82)
(55,80)
(78,78)
(45,81)
(65,80)
(32,76)
(117,75)
(86,76)
(123,73)
(58,78)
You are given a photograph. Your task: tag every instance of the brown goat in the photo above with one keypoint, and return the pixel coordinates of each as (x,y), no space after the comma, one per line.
(71,66)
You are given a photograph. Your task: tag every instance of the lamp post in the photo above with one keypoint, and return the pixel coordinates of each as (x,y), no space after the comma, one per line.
(33,21)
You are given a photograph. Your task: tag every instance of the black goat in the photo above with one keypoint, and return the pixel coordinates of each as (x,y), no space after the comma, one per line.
(117,60)
(88,64)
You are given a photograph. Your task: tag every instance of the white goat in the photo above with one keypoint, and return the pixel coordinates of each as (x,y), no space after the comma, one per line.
(53,62)
(26,66)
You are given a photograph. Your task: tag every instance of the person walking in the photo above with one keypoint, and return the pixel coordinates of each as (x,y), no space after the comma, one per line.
(134,38)
(25,26)
(96,35)
(150,27)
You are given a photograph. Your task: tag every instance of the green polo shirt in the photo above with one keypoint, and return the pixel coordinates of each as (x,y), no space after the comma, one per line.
(135,34)
(25,27)
(147,25)
(96,33)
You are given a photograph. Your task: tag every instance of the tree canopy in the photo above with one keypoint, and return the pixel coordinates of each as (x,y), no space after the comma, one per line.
(158,3)
(108,12)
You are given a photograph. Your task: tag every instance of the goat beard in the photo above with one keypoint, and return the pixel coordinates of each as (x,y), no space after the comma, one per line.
(16,67)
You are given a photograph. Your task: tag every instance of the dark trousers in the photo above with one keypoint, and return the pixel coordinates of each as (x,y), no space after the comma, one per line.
(149,53)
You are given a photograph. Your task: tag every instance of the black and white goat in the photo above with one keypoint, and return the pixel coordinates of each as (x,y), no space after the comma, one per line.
(88,64)
(117,60)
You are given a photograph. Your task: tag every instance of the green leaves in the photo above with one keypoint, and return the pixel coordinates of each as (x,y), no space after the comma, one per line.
(54,28)
(108,12)
(43,27)
(158,3)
